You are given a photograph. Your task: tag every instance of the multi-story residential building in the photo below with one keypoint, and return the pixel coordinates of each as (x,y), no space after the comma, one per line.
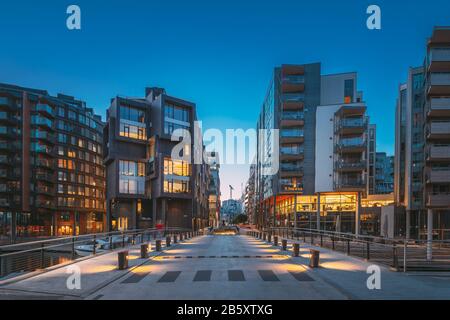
(323,151)
(422,164)
(384,173)
(293,95)
(52,181)
(409,151)
(249,196)
(214,189)
(230,209)
(437,134)
(146,186)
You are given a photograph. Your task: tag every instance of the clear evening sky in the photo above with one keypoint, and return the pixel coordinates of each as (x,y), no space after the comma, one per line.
(218,54)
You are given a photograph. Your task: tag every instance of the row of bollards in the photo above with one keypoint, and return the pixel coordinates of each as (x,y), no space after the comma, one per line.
(147,247)
(315,254)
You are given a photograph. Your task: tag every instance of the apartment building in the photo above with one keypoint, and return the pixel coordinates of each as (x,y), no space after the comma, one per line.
(323,152)
(214,189)
(146,186)
(422,163)
(52,181)
(409,151)
(437,134)
(249,196)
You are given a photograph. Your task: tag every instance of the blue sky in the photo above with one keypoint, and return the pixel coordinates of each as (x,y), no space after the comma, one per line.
(218,54)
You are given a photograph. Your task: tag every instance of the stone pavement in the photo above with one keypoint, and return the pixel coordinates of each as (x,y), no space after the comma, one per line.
(229,268)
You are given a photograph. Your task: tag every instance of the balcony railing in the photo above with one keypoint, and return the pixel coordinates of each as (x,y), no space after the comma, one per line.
(292,133)
(292,115)
(440,79)
(353,123)
(352,143)
(439,152)
(346,182)
(438,176)
(351,165)
(440,54)
(293,97)
(439,200)
(294,79)
(440,128)
(440,104)
(45,108)
(291,152)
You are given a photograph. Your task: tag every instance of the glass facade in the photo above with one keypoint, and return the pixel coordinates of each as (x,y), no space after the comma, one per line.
(131,177)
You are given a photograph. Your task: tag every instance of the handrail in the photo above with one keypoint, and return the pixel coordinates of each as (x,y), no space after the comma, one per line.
(42,254)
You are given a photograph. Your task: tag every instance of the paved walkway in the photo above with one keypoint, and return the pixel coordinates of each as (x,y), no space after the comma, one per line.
(228,267)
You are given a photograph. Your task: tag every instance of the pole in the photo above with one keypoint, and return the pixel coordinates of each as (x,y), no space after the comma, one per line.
(430,235)
(318,213)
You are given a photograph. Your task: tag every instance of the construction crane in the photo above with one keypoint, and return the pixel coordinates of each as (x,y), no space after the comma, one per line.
(231,192)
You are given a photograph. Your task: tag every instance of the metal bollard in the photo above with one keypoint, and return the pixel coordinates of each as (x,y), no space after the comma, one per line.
(175,238)
(296,251)
(264,236)
(348,247)
(122,260)
(315,259)
(158,245)
(284,244)
(269,238)
(368,250)
(275,241)
(394,257)
(144,251)
(167,241)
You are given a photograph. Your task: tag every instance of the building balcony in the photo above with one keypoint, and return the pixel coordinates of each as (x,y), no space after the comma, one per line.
(6,102)
(291,170)
(441,200)
(288,70)
(8,147)
(350,166)
(8,133)
(350,184)
(43,149)
(439,60)
(438,153)
(292,118)
(352,145)
(438,176)
(439,130)
(46,136)
(42,122)
(45,109)
(439,107)
(352,126)
(45,177)
(44,163)
(293,83)
(284,156)
(46,191)
(293,97)
(439,84)
(293,105)
(7,118)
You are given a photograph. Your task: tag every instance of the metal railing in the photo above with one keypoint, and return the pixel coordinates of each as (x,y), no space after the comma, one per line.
(27,257)
(401,255)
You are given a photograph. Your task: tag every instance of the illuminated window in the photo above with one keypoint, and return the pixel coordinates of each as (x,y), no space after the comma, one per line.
(177,168)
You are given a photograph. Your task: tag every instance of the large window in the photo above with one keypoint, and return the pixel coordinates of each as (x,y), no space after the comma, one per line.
(177,113)
(176,167)
(131,177)
(176,186)
(132,114)
(133,132)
